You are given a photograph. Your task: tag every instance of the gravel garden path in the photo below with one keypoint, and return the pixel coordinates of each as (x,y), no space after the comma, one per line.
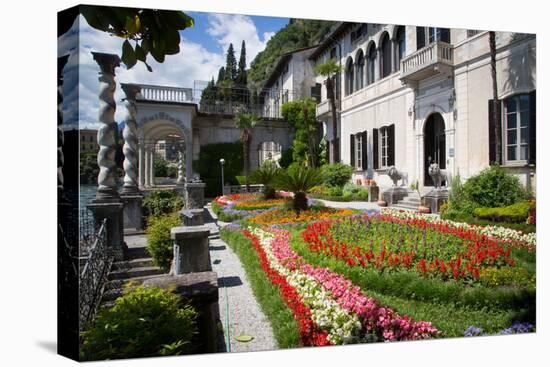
(240,313)
(361,205)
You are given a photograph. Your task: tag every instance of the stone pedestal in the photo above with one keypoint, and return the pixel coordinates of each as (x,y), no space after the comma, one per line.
(192,217)
(132,211)
(394,194)
(191,252)
(194,195)
(435,198)
(201,290)
(112,210)
(374,193)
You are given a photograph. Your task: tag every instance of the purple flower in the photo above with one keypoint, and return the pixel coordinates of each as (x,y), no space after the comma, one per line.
(473,331)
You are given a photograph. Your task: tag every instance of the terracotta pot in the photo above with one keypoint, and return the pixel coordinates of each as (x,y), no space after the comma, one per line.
(424,209)
(382,203)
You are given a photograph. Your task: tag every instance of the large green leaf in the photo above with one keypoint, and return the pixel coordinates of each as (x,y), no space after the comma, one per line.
(128,55)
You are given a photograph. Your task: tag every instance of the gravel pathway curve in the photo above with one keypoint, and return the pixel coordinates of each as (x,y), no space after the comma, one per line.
(245,314)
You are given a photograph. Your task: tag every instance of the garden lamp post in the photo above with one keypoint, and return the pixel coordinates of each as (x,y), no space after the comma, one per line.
(222,162)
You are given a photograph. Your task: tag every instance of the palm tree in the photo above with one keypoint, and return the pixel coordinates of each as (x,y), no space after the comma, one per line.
(266,175)
(496,115)
(300,181)
(246,122)
(330,70)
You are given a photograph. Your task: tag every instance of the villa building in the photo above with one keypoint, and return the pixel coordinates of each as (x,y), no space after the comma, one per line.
(411,95)
(88,141)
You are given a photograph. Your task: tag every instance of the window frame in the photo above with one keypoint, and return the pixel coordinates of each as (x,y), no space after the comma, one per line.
(358,151)
(519,126)
(383,136)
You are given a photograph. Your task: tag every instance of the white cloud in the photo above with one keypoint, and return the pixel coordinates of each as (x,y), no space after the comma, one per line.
(228,28)
(193,62)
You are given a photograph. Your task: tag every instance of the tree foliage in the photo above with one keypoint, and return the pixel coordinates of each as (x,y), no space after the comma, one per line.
(146,31)
(246,122)
(301,115)
(266,175)
(296,34)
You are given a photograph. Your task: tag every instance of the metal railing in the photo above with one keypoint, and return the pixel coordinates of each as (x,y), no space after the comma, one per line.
(95,267)
(431,54)
(223,99)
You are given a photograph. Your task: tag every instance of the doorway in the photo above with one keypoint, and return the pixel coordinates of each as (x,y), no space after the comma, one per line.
(434,145)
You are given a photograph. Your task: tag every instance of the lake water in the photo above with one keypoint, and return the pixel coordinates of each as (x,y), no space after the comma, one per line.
(87,193)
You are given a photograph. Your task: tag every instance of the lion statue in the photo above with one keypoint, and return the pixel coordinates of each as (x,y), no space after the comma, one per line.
(438,175)
(397,175)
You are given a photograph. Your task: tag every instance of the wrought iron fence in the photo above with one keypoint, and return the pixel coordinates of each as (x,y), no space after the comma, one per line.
(95,266)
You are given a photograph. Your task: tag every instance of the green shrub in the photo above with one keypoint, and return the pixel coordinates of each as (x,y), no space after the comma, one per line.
(337,175)
(493,187)
(160,202)
(265,175)
(334,191)
(159,244)
(494,277)
(514,213)
(145,322)
(286,158)
(208,165)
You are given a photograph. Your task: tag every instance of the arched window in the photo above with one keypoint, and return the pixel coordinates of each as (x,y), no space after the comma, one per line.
(400,47)
(360,71)
(371,64)
(349,76)
(385,56)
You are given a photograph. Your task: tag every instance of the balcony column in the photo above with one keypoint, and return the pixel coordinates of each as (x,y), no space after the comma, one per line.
(141,164)
(146,169)
(130,194)
(107,203)
(152,166)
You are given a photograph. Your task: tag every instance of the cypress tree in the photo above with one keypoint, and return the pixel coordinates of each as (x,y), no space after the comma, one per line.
(241,73)
(221,75)
(231,64)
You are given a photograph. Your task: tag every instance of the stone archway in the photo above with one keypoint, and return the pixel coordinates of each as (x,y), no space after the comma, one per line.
(161,127)
(434,144)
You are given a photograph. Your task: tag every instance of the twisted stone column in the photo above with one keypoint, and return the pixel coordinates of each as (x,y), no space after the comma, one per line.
(106,179)
(181,178)
(61,62)
(130,147)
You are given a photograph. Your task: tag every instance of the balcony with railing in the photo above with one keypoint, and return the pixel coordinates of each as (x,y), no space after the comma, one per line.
(160,93)
(436,58)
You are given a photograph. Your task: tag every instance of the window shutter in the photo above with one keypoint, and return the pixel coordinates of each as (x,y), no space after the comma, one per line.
(492,127)
(364,150)
(375,161)
(391,145)
(532,127)
(352,150)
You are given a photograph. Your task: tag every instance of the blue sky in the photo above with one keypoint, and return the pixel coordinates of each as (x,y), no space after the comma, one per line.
(202,53)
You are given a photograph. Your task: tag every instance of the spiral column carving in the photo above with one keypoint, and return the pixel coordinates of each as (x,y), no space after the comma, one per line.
(106,179)
(129,134)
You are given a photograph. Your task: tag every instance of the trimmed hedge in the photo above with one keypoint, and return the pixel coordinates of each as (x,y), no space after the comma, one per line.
(208,165)
(159,244)
(514,213)
(160,202)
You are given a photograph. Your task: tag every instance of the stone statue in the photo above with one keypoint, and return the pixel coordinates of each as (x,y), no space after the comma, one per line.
(397,175)
(438,175)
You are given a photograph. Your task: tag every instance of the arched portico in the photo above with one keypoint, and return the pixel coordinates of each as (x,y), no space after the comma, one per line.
(161,126)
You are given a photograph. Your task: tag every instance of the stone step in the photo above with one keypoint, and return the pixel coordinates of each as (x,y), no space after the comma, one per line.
(413,200)
(132,264)
(119,283)
(133,253)
(127,274)
(405,206)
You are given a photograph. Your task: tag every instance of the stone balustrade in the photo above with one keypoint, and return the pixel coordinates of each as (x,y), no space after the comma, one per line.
(427,59)
(165,94)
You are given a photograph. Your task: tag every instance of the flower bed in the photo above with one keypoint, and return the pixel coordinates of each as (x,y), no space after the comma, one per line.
(391,243)
(259,204)
(519,238)
(288,216)
(334,306)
